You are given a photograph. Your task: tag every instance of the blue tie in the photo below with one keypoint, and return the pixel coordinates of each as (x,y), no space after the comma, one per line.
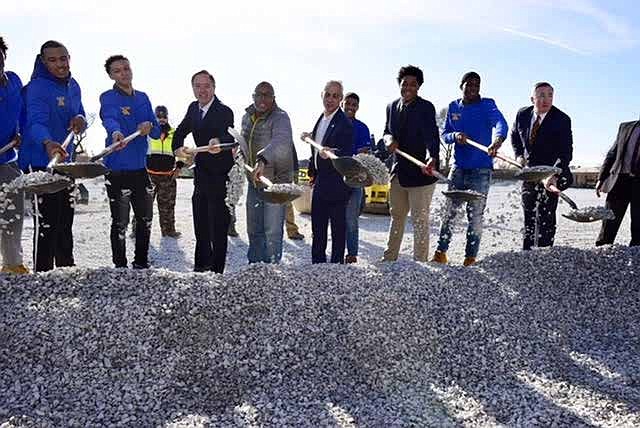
(199,117)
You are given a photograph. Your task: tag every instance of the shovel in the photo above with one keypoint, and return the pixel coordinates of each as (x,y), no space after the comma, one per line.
(355,174)
(205,149)
(93,168)
(534,173)
(8,147)
(583,215)
(455,194)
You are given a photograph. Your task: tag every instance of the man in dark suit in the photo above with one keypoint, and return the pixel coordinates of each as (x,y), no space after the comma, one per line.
(541,135)
(620,178)
(208,119)
(330,194)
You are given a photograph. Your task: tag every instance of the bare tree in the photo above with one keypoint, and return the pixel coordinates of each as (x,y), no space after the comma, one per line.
(446,149)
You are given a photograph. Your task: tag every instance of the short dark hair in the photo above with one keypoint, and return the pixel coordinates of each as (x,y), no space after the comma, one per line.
(411,70)
(50,44)
(468,76)
(353,96)
(3,47)
(542,85)
(206,73)
(111,60)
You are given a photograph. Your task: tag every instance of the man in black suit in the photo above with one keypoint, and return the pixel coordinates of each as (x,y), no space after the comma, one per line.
(620,178)
(330,194)
(208,119)
(541,135)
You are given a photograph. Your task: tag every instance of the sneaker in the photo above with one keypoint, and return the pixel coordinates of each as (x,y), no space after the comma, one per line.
(140,266)
(440,257)
(175,234)
(469,261)
(297,236)
(351,259)
(16,269)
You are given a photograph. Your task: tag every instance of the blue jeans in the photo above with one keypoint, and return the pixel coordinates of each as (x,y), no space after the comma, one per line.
(478,180)
(352,214)
(265,225)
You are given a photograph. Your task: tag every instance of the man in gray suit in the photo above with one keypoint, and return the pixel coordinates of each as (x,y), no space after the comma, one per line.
(620,178)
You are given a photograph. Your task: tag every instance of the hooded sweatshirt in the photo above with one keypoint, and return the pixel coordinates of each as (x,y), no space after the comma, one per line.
(50,103)
(10,108)
(122,112)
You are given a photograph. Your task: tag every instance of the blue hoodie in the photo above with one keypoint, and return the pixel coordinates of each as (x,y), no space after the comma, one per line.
(477,121)
(122,112)
(50,103)
(10,109)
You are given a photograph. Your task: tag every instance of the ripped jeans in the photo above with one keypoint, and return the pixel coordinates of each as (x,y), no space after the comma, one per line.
(130,189)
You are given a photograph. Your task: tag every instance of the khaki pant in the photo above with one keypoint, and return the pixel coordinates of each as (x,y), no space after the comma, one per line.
(403,200)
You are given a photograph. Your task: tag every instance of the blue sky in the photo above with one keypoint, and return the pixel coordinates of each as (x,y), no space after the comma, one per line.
(588,50)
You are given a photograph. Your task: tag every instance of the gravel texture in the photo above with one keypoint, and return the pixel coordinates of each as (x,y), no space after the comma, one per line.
(547,338)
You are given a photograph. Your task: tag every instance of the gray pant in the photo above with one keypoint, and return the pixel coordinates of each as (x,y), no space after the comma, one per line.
(11,217)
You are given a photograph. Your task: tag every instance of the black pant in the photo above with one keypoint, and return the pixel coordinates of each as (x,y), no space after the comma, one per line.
(626,191)
(547,204)
(323,211)
(55,235)
(130,189)
(210,224)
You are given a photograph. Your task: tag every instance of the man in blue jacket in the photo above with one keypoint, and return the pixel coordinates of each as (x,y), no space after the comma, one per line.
(334,131)
(479,119)
(125,110)
(53,107)
(361,144)
(411,127)
(11,203)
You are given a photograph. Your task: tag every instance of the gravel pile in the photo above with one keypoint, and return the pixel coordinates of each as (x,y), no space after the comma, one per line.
(547,337)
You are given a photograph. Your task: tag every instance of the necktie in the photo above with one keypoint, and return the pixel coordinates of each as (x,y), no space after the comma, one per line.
(534,131)
(199,117)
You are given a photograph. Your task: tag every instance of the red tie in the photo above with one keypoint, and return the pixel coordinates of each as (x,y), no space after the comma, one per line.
(534,130)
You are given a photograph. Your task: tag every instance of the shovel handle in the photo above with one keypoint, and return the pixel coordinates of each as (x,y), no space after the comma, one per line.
(262,178)
(563,196)
(8,147)
(436,174)
(64,145)
(498,155)
(204,149)
(312,143)
(113,146)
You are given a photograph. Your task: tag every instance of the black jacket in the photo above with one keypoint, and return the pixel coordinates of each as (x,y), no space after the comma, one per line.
(211,171)
(553,145)
(613,161)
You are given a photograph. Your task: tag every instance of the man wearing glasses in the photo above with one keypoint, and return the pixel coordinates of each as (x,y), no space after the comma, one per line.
(163,170)
(267,130)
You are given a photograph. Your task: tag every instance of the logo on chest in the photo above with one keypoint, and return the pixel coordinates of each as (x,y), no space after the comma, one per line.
(456,116)
(126,110)
(60,101)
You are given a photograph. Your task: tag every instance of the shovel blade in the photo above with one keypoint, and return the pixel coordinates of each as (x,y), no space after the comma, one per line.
(355,174)
(537,173)
(48,187)
(82,169)
(589,214)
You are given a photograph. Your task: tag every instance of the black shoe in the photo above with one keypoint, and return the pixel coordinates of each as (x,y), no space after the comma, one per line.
(140,266)
(175,234)
(296,236)
(232,232)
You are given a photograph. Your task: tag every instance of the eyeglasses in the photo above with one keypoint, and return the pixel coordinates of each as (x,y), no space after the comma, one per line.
(262,95)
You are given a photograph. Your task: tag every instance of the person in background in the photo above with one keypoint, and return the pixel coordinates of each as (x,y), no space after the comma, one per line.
(361,144)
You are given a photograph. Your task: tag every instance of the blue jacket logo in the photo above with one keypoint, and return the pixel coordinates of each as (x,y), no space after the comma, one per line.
(60,101)
(126,111)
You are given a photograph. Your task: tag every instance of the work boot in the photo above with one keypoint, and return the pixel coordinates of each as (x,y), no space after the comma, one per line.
(440,257)
(296,236)
(351,259)
(232,232)
(469,261)
(173,234)
(16,269)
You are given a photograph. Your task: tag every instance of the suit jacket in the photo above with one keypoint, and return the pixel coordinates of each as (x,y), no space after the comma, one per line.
(417,133)
(211,172)
(553,145)
(329,182)
(613,161)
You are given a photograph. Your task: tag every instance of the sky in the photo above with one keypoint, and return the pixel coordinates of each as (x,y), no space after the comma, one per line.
(588,50)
